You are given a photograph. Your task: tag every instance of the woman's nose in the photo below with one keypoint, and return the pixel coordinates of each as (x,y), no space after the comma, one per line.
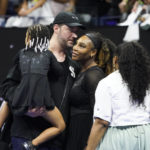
(75,47)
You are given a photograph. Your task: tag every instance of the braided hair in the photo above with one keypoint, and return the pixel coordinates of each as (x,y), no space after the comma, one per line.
(105,56)
(38,37)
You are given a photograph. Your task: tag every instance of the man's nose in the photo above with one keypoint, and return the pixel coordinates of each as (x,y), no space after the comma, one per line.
(75,35)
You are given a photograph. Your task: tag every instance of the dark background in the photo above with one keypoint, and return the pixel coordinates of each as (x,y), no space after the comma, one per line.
(12,40)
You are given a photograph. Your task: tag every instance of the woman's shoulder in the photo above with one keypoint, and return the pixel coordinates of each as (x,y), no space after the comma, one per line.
(95,70)
(94,74)
(112,79)
(115,75)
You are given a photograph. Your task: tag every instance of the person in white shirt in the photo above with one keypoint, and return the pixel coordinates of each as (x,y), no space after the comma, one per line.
(122,107)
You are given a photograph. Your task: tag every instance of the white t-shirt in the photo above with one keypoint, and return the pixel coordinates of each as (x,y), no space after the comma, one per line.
(113,103)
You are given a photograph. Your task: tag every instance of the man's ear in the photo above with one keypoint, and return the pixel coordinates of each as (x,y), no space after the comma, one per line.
(56,27)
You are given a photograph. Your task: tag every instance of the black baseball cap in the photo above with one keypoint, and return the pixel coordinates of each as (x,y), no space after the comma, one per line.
(68,19)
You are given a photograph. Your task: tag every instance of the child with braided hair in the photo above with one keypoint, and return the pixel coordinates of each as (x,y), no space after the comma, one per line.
(35,63)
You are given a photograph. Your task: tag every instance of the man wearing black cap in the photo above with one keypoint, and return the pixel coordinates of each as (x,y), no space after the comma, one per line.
(68,18)
(65,27)
(67,24)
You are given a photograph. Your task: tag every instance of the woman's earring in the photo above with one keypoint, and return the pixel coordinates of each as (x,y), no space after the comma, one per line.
(114,67)
(92,56)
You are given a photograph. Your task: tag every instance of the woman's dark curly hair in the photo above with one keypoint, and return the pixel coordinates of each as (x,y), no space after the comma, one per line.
(134,66)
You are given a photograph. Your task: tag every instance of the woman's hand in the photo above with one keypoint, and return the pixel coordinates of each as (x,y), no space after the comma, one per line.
(122,6)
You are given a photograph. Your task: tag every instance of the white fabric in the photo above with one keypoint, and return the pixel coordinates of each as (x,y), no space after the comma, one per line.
(113,104)
(132,33)
(132,17)
(58,7)
(146,24)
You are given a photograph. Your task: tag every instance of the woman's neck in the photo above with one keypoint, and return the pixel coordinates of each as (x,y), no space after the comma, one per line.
(87,65)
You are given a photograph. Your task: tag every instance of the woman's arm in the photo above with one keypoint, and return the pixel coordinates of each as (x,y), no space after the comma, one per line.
(97,132)
(90,82)
(71,7)
(135,6)
(122,5)
(4,112)
(23,6)
(24,12)
(3,6)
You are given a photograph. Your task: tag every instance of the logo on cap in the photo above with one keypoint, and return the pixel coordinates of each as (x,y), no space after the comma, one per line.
(75,17)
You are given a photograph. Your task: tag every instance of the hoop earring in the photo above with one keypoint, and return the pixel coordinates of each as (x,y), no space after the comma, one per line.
(114,67)
(92,56)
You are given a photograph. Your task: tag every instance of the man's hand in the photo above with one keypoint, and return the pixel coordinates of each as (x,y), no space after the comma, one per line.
(36,112)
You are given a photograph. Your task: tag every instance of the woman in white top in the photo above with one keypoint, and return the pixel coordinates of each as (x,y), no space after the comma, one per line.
(122,108)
